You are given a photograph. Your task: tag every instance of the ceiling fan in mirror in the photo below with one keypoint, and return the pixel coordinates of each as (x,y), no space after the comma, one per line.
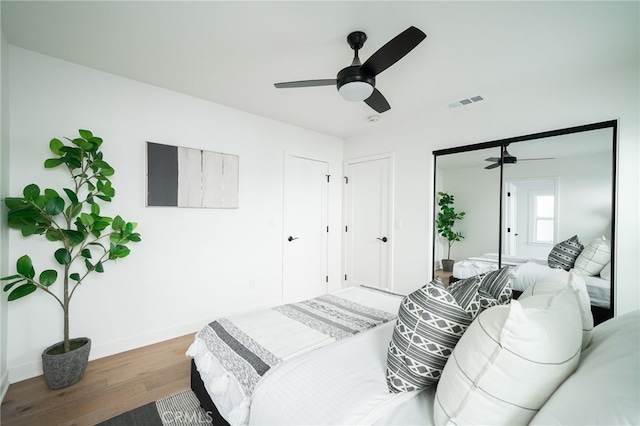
(507,158)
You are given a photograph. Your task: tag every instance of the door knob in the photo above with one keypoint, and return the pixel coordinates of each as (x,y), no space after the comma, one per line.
(291,238)
(383,239)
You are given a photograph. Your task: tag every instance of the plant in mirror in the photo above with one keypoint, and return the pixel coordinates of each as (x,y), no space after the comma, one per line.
(445,222)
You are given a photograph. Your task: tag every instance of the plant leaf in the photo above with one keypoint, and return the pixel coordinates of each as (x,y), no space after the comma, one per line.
(54,235)
(75,237)
(85,134)
(50,193)
(25,267)
(118,223)
(31,192)
(8,286)
(86,253)
(72,195)
(13,202)
(75,276)
(10,277)
(50,163)
(75,210)
(22,291)
(99,268)
(55,146)
(48,277)
(62,256)
(87,219)
(54,206)
(135,237)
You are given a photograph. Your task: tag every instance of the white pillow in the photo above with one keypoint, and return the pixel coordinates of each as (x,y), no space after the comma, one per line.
(555,282)
(605,274)
(510,360)
(593,258)
(605,389)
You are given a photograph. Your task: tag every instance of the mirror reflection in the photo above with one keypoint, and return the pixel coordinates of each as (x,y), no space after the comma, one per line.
(525,196)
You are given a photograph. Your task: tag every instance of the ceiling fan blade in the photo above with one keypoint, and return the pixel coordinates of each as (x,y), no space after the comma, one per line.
(492,166)
(378,102)
(492,159)
(393,51)
(306,83)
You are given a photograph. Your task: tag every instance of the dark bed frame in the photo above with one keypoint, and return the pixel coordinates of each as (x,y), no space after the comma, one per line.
(197,386)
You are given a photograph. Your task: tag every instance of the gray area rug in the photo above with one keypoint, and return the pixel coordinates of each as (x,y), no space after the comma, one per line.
(181,409)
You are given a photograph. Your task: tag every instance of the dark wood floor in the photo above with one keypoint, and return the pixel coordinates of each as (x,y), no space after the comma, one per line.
(111,386)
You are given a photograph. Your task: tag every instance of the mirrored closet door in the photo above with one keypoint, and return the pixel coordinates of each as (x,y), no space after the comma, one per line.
(523,195)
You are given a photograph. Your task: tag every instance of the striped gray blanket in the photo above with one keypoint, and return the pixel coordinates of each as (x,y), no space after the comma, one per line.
(247,346)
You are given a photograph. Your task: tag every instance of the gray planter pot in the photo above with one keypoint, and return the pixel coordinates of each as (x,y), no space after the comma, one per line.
(65,369)
(447,265)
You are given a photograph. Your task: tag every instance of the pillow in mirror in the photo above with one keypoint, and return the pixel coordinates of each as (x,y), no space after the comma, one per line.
(593,258)
(564,254)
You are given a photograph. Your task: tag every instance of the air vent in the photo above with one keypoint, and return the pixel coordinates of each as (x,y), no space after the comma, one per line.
(467,101)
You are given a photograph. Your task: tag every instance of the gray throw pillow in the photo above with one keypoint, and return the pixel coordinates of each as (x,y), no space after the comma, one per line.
(563,255)
(430,322)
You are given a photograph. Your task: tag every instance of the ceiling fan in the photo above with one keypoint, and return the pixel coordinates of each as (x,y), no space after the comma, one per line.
(357,82)
(509,159)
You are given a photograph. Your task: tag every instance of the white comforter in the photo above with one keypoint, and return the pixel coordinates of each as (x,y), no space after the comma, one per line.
(233,354)
(341,384)
(526,274)
(527,271)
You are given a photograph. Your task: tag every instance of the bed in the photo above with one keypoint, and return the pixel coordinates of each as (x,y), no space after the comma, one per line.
(233,354)
(526,271)
(344,383)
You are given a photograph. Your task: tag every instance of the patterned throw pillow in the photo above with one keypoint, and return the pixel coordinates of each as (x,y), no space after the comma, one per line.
(493,285)
(430,322)
(563,255)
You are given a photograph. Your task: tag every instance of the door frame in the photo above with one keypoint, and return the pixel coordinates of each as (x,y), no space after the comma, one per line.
(311,157)
(345,204)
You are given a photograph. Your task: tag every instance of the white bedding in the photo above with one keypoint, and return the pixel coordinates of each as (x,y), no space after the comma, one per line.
(527,271)
(605,389)
(341,384)
(234,353)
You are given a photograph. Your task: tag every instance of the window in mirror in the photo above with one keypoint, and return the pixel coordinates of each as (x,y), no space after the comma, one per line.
(543,218)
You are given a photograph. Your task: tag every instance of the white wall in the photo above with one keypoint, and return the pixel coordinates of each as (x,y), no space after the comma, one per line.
(584,198)
(551,103)
(193,265)
(4,186)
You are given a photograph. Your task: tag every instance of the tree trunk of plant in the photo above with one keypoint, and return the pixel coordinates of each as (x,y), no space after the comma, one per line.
(66,343)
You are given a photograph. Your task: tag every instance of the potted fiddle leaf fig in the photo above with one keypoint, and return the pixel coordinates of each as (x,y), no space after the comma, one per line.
(83,242)
(445,220)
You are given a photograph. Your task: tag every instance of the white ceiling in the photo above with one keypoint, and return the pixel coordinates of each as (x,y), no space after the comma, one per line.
(231,53)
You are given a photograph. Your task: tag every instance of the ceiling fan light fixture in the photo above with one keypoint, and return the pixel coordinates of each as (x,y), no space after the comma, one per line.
(356,91)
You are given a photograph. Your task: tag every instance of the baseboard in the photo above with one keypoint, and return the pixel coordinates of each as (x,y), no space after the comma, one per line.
(4,385)
(26,371)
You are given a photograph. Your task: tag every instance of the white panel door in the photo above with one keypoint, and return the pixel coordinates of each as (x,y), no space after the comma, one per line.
(367,218)
(304,270)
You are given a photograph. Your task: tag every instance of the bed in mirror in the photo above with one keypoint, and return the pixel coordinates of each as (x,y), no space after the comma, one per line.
(524,196)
